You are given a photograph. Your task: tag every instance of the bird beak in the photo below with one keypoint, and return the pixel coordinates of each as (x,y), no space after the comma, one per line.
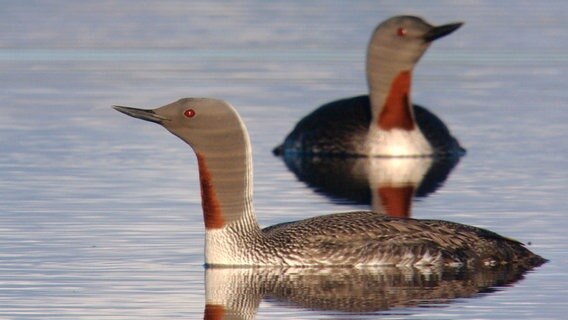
(440,31)
(144,114)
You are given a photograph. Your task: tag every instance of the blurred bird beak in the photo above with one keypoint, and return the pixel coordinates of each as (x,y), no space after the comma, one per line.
(440,31)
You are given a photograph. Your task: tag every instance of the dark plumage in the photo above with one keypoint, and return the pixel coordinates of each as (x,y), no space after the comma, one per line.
(340,128)
(358,237)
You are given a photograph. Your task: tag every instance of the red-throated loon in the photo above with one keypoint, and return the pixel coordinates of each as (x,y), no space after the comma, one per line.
(384,123)
(233,237)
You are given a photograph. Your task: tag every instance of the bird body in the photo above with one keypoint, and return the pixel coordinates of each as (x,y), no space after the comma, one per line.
(233,237)
(385,122)
(366,238)
(342,128)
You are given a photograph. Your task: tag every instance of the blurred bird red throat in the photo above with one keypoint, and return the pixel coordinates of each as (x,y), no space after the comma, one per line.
(396,112)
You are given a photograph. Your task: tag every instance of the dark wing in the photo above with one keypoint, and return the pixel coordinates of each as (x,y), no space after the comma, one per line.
(437,133)
(349,236)
(336,128)
(340,128)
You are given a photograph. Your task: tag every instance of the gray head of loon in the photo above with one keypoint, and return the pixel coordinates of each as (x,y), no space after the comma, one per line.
(399,42)
(207,125)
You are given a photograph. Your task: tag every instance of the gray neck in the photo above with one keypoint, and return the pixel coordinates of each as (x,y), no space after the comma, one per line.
(386,59)
(232,235)
(383,65)
(225,173)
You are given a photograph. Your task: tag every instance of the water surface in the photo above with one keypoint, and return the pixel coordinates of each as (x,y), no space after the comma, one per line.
(100,214)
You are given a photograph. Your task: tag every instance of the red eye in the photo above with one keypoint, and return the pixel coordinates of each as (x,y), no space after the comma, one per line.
(401,32)
(189,113)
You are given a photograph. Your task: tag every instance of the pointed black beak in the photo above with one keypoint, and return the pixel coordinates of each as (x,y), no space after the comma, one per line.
(440,31)
(144,114)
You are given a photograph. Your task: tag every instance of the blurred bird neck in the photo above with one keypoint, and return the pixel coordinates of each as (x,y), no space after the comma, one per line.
(389,76)
(391,104)
(393,130)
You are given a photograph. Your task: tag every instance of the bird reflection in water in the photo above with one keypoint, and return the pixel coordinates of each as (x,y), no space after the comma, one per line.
(236,293)
(388,184)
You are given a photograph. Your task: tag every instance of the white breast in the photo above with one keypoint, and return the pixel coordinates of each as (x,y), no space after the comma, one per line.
(398,143)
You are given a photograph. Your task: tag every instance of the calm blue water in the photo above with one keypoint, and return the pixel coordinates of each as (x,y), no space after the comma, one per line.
(100,214)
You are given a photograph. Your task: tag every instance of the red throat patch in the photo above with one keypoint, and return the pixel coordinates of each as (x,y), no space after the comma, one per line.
(396,113)
(212,214)
(397,201)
